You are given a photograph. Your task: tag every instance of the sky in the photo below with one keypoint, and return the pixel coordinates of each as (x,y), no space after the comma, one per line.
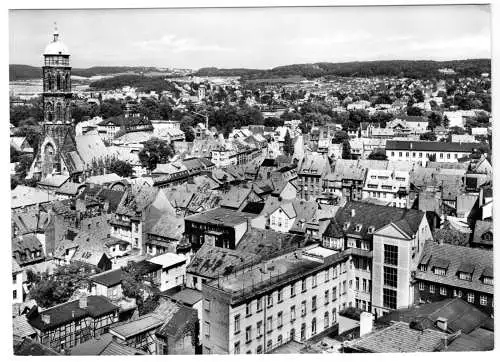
(252,37)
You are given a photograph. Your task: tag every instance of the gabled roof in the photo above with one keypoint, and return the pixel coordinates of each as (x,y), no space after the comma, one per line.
(481,228)
(144,324)
(108,278)
(178,321)
(66,312)
(104,345)
(451,257)
(266,242)
(370,215)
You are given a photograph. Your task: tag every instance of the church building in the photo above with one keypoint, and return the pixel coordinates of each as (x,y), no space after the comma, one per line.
(60,151)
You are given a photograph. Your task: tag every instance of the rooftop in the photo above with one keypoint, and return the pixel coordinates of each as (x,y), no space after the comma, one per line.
(221,216)
(108,278)
(136,327)
(431,146)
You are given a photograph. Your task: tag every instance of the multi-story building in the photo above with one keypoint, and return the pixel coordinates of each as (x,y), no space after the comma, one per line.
(293,297)
(17,283)
(385,244)
(389,186)
(312,170)
(73,322)
(446,271)
(346,180)
(422,151)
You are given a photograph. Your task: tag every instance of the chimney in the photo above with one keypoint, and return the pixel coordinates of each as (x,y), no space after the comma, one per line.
(365,323)
(353,212)
(442,324)
(82,302)
(46,318)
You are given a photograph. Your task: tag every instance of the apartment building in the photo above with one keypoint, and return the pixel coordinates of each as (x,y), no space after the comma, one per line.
(421,151)
(292,297)
(310,175)
(383,244)
(390,186)
(446,271)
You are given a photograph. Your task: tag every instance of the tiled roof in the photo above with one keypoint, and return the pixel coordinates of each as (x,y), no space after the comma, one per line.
(480,229)
(212,261)
(177,322)
(455,257)
(21,327)
(235,197)
(29,347)
(222,216)
(460,315)
(66,312)
(108,278)
(104,346)
(130,329)
(266,242)
(168,226)
(370,215)
(398,338)
(186,296)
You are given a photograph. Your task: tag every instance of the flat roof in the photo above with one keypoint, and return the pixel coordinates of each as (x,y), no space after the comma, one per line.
(136,327)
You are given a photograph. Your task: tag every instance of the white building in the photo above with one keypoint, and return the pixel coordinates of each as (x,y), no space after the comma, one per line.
(173,272)
(390,186)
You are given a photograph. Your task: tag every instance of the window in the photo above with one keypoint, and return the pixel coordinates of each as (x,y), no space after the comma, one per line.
(344,288)
(327,275)
(390,277)
(327,297)
(420,154)
(280,340)
(269,324)
(292,290)
(483,300)
(270,300)
(303,332)
(259,329)
(259,304)
(259,349)
(440,155)
(390,254)
(334,294)
(248,334)
(314,281)
(421,286)
(280,320)
(14,294)
(357,283)
(326,320)
(292,313)
(389,298)
(206,305)
(236,324)
(303,285)
(392,153)
(442,291)
(470,297)
(313,303)
(439,271)
(249,309)
(459,294)
(487,280)
(237,348)
(364,285)
(400,154)
(465,276)
(303,308)
(269,344)
(334,315)
(432,288)
(280,295)
(207,330)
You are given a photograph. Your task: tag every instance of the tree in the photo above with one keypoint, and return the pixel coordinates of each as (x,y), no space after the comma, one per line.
(23,166)
(121,168)
(143,289)
(428,136)
(288,147)
(414,111)
(377,155)
(343,138)
(110,108)
(60,286)
(155,151)
(449,235)
(435,120)
(419,96)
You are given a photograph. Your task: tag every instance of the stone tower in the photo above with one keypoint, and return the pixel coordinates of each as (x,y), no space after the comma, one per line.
(58,132)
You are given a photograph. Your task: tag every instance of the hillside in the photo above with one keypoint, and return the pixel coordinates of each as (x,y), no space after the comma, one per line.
(399,68)
(20,71)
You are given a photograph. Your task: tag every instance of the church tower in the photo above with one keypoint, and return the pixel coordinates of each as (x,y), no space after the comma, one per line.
(58,132)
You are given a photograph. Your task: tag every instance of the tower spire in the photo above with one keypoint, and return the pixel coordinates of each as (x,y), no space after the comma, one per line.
(56,32)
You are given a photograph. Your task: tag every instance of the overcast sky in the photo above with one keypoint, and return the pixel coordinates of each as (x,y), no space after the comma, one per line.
(253,37)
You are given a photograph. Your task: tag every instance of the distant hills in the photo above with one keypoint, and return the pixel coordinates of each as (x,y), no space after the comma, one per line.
(395,68)
(20,71)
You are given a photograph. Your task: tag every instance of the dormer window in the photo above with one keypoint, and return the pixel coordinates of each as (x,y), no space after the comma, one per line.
(346,225)
(439,271)
(358,227)
(487,276)
(440,266)
(465,271)
(488,236)
(371,229)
